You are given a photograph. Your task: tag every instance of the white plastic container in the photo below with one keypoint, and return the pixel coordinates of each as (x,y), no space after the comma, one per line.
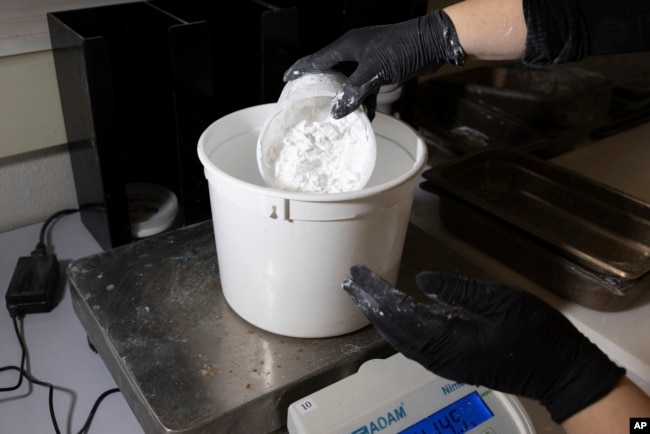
(283,255)
(302,148)
(153,209)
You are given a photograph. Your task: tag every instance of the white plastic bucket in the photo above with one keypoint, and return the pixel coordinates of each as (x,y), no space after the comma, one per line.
(283,255)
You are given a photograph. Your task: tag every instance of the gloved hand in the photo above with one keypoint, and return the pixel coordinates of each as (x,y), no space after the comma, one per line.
(488,334)
(385,54)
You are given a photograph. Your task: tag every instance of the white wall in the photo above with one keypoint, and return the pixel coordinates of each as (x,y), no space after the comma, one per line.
(30,108)
(35,185)
(35,172)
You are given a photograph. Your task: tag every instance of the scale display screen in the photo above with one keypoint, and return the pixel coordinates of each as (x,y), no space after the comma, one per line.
(398,395)
(458,417)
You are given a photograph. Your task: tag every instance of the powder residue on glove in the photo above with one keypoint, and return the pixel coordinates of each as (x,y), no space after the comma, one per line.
(319,154)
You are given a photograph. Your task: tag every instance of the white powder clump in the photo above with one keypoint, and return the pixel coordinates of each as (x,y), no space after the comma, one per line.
(319,154)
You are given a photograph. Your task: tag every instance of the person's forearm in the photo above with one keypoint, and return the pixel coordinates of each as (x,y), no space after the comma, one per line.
(490,29)
(612,413)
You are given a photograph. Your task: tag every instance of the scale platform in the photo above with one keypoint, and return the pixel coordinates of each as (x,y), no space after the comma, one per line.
(187,363)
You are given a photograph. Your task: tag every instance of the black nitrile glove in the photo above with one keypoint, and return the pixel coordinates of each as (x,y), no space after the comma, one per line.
(488,334)
(385,54)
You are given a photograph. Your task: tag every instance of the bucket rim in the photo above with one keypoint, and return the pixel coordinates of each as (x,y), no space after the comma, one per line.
(420,159)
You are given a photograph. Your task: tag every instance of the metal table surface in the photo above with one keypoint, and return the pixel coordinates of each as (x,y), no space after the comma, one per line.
(186,362)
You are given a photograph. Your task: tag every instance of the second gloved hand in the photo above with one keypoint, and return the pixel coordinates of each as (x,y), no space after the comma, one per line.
(490,334)
(384,55)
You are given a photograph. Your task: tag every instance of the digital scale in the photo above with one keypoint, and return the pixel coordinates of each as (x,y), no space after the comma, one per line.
(398,395)
(154,309)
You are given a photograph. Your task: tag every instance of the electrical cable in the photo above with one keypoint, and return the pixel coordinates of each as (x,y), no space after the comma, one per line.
(91,415)
(23,357)
(41,248)
(24,374)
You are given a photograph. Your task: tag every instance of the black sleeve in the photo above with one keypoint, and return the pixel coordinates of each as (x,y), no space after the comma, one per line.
(561,31)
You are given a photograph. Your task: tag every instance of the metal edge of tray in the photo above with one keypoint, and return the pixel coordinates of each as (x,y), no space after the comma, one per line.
(536,262)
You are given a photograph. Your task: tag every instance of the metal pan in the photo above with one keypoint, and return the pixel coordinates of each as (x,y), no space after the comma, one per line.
(464,125)
(583,240)
(553,97)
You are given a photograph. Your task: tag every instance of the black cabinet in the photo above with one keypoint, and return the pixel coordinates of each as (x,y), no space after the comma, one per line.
(139,83)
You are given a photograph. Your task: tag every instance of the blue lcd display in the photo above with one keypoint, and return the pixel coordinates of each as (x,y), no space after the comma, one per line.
(458,417)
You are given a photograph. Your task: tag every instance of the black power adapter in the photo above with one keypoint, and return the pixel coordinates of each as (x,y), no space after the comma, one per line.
(33,284)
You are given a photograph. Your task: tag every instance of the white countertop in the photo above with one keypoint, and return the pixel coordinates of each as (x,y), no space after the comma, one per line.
(59,352)
(58,349)
(622,162)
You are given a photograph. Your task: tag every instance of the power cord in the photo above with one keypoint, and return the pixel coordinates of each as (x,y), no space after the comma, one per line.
(41,247)
(23,358)
(31,290)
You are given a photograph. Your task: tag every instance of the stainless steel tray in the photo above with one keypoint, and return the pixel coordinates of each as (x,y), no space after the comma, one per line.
(462,125)
(580,239)
(555,97)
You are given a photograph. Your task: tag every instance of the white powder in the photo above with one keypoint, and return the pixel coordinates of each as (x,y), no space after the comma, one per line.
(309,151)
